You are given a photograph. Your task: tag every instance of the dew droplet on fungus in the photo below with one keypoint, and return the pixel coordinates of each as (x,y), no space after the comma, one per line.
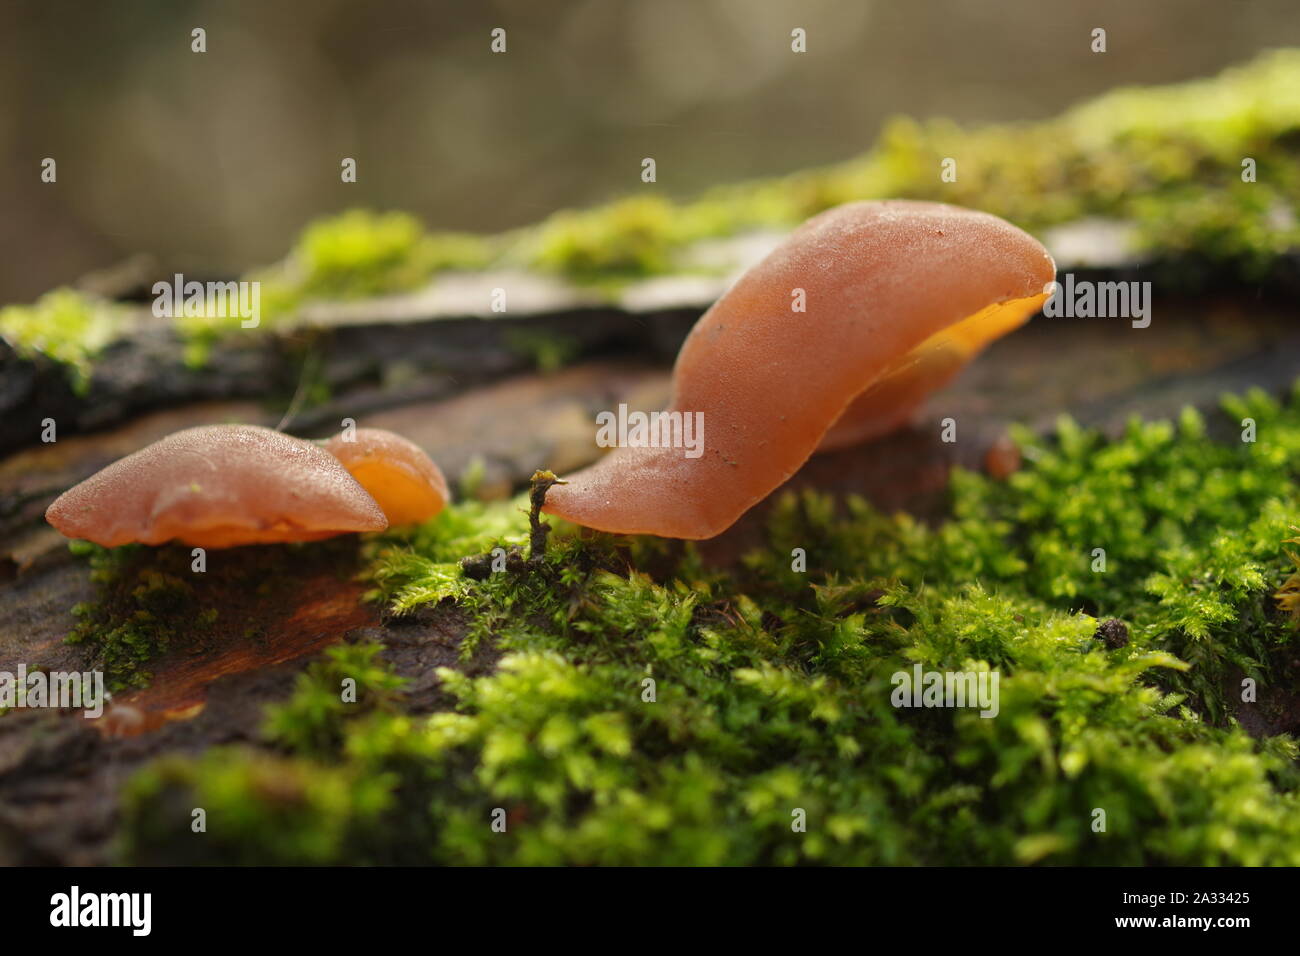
(407,484)
(218,486)
(900,295)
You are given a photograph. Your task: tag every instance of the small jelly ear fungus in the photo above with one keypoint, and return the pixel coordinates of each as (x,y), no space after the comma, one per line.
(218,486)
(897,297)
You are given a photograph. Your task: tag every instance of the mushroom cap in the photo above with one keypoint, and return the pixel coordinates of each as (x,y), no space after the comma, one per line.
(218,486)
(899,296)
(407,484)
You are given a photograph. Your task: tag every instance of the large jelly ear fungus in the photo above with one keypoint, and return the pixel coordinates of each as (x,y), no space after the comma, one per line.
(218,486)
(405,482)
(898,296)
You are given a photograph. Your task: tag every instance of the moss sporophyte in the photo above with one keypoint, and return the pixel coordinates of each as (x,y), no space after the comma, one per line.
(645,707)
(479,566)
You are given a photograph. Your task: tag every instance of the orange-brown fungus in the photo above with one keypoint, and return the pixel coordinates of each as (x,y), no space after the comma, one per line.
(1002,460)
(898,296)
(218,486)
(407,484)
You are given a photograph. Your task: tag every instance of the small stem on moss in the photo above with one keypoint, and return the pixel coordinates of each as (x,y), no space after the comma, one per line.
(479,566)
(539,530)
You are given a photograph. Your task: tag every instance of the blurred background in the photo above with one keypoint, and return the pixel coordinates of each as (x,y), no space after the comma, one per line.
(213,162)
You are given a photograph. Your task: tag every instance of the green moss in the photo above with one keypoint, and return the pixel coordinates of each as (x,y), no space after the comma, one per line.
(145,603)
(772,686)
(361,253)
(355,254)
(422,566)
(471,481)
(279,298)
(1167,159)
(150,600)
(302,812)
(547,351)
(631,237)
(313,721)
(63,325)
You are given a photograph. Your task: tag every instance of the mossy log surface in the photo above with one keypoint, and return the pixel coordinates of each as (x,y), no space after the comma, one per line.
(60,773)
(773,691)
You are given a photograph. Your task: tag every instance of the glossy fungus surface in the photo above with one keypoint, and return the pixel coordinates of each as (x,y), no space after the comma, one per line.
(898,297)
(218,486)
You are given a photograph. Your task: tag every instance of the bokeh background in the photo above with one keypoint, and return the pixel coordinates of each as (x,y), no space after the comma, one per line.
(212,163)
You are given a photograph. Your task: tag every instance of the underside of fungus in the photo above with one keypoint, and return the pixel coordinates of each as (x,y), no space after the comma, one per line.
(899,296)
(218,486)
(405,482)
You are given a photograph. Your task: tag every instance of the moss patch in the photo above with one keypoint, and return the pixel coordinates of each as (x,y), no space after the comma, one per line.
(361,253)
(1168,159)
(150,600)
(65,326)
(649,709)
